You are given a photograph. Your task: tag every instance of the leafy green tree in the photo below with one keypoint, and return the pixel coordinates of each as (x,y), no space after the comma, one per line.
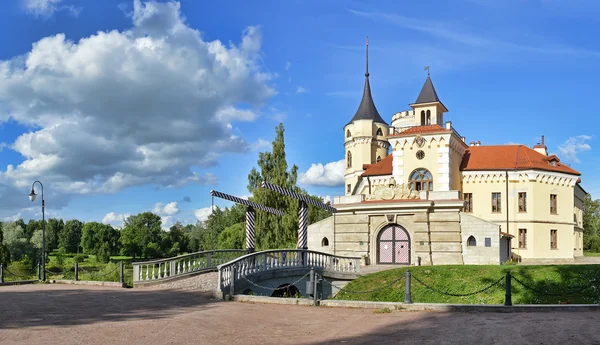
(70,236)
(53,228)
(15,240)
(4,253)
(273,231)
(174,242)
(233,237)
(100,240)
(591,224)
(141,235)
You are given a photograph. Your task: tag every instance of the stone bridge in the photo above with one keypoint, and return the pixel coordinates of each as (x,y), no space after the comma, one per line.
(282,273)
(183,266)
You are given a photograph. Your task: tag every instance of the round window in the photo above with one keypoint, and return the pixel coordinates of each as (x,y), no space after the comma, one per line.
(420,154)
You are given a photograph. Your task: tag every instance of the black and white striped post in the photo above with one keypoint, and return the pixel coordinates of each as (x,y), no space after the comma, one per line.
(302,212)
(250,215)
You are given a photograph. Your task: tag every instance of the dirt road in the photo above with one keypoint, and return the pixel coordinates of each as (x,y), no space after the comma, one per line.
(69,314)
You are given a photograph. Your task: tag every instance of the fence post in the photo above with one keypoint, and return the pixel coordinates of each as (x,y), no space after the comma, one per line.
(122,275)
(76,271)
(315,282)
(39,272)
(1,273)
(508,297)
(232,285)
(309,284)
(407,297)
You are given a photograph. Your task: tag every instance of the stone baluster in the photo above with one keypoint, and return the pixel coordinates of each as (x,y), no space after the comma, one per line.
(147,272)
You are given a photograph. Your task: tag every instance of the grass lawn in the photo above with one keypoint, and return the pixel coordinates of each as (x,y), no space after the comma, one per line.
(564,280)
(586,253)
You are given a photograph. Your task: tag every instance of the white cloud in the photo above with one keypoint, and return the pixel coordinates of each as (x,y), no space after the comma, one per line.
(573,146)
(329,175)
(115,219)
(260,144)
(203,213)
(288,65)
(149,105)
(46,8)
(278,115)
(169,209)
(327,198)
(300,89)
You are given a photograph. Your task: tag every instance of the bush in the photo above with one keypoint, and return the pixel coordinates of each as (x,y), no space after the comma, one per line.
(79,258)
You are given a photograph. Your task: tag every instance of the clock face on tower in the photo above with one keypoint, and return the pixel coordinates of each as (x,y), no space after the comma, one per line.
(420,154)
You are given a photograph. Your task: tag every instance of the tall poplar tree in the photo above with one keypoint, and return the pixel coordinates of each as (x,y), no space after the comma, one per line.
(274,231)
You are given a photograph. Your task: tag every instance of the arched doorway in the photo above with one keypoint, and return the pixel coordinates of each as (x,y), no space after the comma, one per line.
(393,246)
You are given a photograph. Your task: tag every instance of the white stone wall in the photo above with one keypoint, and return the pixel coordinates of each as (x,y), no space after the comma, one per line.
(319,230)
(480,229)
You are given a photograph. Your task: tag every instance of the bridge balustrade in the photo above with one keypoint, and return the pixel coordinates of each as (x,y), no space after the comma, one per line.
(157,270)
(284,259)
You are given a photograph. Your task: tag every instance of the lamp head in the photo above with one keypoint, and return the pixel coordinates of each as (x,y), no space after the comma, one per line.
(32,195)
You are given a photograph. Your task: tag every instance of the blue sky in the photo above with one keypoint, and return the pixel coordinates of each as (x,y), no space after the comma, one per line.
(121,107)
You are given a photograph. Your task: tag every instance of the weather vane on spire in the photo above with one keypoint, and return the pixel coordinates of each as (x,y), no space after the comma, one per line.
(427,69)
(367,72)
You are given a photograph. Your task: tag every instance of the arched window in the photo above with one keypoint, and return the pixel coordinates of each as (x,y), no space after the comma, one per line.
(428,117)
(324,242)
(421,179)
(422,117)
(348,134)
(471,242)
(378,159)
(379,132)
(349,160)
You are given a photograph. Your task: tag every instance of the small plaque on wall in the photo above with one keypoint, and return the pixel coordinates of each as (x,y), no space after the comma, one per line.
(361,243)
(488,242)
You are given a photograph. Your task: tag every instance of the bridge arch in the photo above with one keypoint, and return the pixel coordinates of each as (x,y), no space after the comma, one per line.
(286,290)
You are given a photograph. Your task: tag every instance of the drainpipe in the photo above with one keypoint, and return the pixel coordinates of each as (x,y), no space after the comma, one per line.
(429,235)
(507,229)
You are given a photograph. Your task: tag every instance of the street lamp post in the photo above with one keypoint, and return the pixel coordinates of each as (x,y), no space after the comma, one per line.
(32,196)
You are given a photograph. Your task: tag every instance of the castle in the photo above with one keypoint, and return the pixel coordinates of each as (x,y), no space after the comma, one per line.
(434,199)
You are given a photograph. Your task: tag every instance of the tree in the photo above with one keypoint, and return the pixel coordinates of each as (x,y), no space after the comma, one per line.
(16,242)
(53,228)
(70,236)
(175,241)
(100,240)
(233,237)
(4,253)
(273,231)
(141,235)
(591,224)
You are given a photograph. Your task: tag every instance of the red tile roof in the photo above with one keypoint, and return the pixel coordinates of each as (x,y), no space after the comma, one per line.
(384,167)
(494,157)
(422,130)
(512,157)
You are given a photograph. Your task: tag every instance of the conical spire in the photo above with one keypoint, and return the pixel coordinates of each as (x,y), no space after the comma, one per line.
(366,109)
(428,93)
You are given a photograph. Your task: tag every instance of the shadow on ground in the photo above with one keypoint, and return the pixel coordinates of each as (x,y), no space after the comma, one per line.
(63,305)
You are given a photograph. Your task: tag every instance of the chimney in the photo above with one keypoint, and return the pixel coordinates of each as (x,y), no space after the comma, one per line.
(541,148)
(464,139)
(448,124)
(478,143)
(472,143)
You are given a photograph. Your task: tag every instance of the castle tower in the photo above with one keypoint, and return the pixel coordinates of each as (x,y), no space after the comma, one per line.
(365,136)
(428,108)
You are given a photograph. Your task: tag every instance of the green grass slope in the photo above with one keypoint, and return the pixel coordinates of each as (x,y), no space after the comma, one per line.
(547,284)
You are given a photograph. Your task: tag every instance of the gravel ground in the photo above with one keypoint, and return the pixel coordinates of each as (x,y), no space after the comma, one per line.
(201,282)
(93,315)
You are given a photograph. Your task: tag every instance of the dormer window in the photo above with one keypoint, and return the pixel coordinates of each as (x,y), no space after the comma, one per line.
(379,132)
(553,160)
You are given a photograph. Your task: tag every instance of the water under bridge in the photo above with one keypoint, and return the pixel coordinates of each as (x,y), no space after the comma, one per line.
(279,272)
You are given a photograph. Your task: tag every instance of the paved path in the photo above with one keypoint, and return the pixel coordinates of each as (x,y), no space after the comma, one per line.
(71,314)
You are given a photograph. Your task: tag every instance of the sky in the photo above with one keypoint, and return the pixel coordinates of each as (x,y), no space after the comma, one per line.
(121,107)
